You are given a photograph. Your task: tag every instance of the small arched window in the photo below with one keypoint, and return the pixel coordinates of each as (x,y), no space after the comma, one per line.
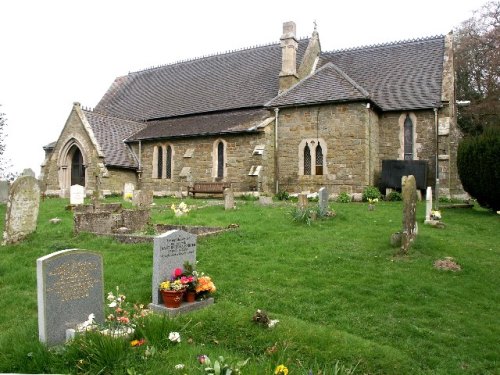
(220,160)
(307,160)
(408,138)
(169,162)
(319,160)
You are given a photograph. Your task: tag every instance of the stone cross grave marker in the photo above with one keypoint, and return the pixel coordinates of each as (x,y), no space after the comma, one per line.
(128,191)
(22,209)
(323,199)
(4,191)
(229,199)
(69,289)
(76,194)
(428,203)
(171,250)
(409,189)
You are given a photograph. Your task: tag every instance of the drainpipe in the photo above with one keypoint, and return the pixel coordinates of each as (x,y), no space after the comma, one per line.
(140,160)
(276,165)
(370,171)
(436,189)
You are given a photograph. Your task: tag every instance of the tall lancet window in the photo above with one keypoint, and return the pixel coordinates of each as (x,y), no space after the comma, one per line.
(408,138)
(319,160)
(159,163)
(307,160)
(168,171)
(220,160)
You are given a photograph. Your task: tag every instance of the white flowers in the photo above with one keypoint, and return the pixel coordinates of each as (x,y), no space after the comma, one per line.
(86,325)
(174,337)
(115,301)
(181,210)
(180,366)
(435,215)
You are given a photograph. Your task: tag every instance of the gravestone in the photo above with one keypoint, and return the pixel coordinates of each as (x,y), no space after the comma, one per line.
(171,250)
(76,195)
(22,209)
(142,198)
(28,172)
(4,191)
(265,201)
(409,232)
(302,203)
(428,204)
(128,191)
(69,289)
(323,199)
(229,199)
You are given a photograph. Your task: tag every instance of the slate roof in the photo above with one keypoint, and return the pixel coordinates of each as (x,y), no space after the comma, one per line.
(241,79)
(110,133)
(327,84)
(239,121)
(398,76)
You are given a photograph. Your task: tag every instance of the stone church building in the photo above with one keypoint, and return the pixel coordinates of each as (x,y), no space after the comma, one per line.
(280,117)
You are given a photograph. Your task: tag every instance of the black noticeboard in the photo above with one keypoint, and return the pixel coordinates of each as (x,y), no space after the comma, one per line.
(394,170)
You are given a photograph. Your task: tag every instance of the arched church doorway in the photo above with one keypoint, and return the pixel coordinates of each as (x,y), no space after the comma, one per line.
(77,167)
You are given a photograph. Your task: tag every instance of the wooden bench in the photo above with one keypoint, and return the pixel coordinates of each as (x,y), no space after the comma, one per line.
(208,188)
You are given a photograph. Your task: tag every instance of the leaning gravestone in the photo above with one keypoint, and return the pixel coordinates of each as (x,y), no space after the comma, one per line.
(22,209)
(323,199)
(76,194)
(409,192)
(4,191)
(171,250)
(229,199)
(69,289)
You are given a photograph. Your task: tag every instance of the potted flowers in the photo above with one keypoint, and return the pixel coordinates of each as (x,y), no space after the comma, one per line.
(172,292)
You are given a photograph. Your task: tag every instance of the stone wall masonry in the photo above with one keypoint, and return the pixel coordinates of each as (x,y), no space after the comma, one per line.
(239,160)
(344,128)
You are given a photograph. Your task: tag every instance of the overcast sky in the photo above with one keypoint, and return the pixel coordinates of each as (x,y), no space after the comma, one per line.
(54,53)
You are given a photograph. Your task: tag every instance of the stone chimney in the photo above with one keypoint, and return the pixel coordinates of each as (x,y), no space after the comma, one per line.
(288,75)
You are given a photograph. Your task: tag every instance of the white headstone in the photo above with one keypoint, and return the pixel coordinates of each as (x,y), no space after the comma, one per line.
(128,191)
(323,199)
(69,289)
(76,194)
(428,203)
(171,250)
(22,209)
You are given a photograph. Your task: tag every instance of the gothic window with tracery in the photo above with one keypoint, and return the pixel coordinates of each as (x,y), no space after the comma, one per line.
(408,138)
(168,171)
(319,160)
(307,160)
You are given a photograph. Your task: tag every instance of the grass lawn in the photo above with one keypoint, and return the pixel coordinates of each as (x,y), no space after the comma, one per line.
(342,295)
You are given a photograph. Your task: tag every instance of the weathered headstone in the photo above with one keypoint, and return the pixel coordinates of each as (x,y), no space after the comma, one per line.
(22,209)
(128,191)
(323,199)
(28,172)
(428,203)
(409,232)
(76,194)
(142,198)
(265,201)
(4,191)
(171,250)
(69,289)
(302,201)
(228,199)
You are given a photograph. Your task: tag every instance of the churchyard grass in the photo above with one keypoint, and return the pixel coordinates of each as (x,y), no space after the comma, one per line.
(341,293)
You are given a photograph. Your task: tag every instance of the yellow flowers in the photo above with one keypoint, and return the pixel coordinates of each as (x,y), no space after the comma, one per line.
(281,370)
(181,210)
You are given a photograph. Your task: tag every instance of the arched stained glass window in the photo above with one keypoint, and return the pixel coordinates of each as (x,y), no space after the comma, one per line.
(160,162)
(169,162)
(307,160)
(408,138)
(220,160)
(319,160)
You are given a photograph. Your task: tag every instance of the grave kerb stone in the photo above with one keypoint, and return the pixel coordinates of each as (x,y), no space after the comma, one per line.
(69,289)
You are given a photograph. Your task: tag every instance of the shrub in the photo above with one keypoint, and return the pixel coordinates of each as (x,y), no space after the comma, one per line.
(344,198)
(371,192)
(282,196)
(477,163)
(394,196)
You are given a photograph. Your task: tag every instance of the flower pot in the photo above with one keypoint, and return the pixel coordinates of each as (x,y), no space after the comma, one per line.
(172,298)
(190,296)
